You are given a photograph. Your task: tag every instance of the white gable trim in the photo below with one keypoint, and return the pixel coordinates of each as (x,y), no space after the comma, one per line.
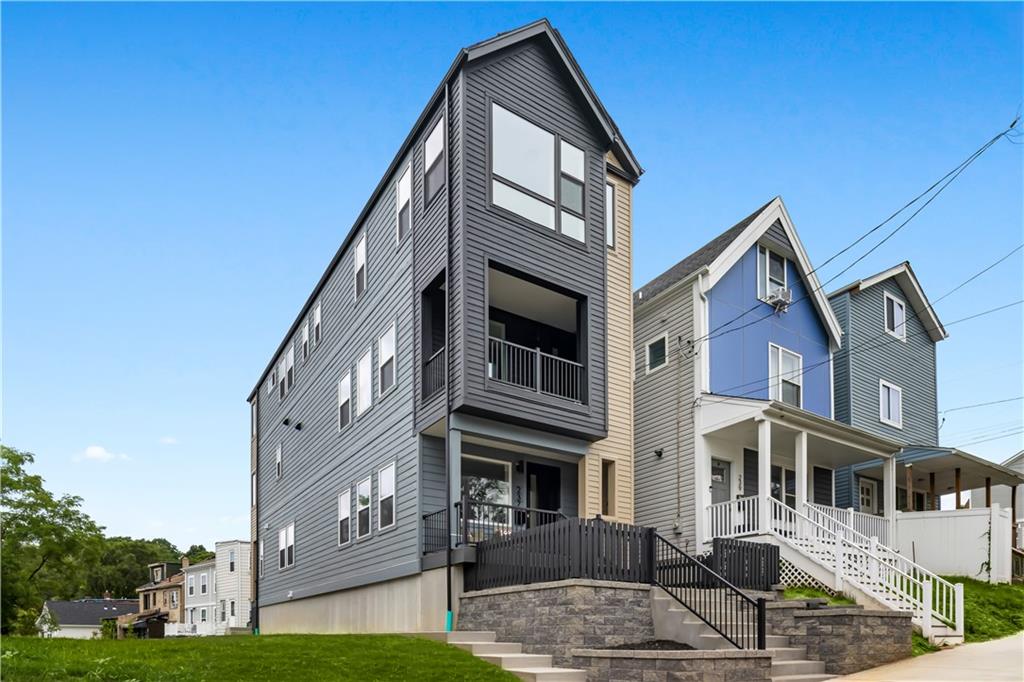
(776,211)
(907,281)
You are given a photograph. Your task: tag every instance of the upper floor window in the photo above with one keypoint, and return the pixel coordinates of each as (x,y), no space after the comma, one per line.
(174,599)
(656,353)
(286,373)
(204,583)
(524,169)
(360,266)
(286,546)
(386,497)
(278,464)
(895,316)
(364,389)
(771,271)
(386,360)
(890,404)
(260,565)
(403,204)
(305,341)
(191,585)
(433,166)
(344,517)
(609,214)
(252,496)
(231,561)
(316,324)
(273,379)
(785,371)
(345,401)
(363,508)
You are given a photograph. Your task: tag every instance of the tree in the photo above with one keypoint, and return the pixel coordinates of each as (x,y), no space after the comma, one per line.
(120,564)
(198,553)
(43,540)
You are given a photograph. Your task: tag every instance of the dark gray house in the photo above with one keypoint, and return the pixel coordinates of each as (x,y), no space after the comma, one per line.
(469,343)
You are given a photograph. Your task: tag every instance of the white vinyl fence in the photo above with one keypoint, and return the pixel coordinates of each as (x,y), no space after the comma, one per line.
(967,542)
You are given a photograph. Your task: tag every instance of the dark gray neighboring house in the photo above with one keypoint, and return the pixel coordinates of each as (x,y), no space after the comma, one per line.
(469,303)
(81,618)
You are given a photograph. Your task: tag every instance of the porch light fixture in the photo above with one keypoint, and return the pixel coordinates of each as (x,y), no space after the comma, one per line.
(520,464)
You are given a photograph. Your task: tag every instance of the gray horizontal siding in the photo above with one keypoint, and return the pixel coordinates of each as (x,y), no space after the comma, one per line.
(841,361)
(665,485)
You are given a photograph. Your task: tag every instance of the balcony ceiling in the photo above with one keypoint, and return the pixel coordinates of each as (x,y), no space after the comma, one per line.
(532,301)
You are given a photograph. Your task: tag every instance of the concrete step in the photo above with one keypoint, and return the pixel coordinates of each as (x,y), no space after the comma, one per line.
(520,661)
(457,636)
(789,653)
(549,674)
(782,668)
(483,648)
(813,677)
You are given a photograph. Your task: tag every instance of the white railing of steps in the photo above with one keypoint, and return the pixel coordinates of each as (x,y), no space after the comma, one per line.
(733,518)
(868,525)
(885,575)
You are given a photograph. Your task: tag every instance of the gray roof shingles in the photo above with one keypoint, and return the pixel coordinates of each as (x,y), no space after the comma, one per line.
(90,611)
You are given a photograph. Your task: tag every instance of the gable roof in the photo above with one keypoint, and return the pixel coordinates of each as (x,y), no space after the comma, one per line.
(725,250)
(541,29)
(1014,459)
(908,282)
(89,611)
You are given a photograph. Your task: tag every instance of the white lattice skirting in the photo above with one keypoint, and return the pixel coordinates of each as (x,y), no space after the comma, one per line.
(791,576)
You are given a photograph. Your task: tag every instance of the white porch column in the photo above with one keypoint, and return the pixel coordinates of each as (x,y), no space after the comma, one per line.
(764,472)
(889,494)
(800,455)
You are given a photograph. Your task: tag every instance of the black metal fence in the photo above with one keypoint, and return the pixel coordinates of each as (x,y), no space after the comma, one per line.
(433,374)
(567,548)
(435,532)
(712,598)
(480,521)
(747,565)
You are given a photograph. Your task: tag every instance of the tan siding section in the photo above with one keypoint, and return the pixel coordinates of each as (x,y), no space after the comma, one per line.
(618,446)
(664,418)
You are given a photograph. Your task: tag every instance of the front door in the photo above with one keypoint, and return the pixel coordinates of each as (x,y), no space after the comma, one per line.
(868,496)
(720,481)
(544,486)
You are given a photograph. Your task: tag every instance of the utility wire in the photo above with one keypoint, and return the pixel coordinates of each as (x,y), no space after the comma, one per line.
(947,179)
(991,402)
(987,440)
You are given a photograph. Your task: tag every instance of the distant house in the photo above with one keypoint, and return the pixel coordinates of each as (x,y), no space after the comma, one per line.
(233,584)
(161,601)
(200,596)
(81,618)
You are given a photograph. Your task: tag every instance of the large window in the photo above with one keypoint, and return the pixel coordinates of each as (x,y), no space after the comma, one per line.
(890,404)
(386,360)
(360,266)
(486,480)
(286,546)
(895,317)
(344,518)
(771,271)
(433,162)
(403,205)
(386,497)
(364,389)
(785,370)
(363,508)
(656,353)
(523,169)
(345,401)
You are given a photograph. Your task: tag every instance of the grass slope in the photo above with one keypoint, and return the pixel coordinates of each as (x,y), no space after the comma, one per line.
(990,611)
(274,657)
(814,593)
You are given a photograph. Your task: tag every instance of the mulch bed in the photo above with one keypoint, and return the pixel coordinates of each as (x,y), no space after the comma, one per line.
(654,645)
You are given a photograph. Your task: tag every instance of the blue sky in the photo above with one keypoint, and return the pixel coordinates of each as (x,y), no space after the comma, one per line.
(176,177)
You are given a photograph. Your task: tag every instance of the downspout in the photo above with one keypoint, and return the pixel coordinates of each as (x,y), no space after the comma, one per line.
(447,373)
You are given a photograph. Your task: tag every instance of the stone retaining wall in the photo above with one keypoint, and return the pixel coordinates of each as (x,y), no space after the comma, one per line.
(554,618)
(847,639)
(728,665)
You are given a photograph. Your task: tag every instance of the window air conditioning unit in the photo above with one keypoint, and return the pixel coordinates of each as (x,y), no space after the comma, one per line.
(780,297)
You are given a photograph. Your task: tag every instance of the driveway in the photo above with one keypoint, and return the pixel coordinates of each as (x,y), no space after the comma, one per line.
(1000,659)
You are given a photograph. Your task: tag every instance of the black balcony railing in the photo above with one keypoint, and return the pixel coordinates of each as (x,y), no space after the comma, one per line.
(435,531)
(433,374)
(532,369)
(479,521)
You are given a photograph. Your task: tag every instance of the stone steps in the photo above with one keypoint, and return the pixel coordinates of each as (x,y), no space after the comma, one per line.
(507,655)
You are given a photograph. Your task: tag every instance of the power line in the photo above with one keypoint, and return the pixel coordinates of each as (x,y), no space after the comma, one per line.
(948,178)
(991,402)
(987,440)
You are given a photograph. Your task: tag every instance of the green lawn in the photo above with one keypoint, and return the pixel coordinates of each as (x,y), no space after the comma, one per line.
(268,657)
(813,593)
(990,611)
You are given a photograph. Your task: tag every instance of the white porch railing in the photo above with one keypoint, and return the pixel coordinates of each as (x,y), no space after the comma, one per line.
(868,525)
(877,570)
(1020,535)
(733,518)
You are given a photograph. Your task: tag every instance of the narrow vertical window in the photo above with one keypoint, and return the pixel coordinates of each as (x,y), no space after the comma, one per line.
(771,268)
(363,509)
(260,567)
(386,497)
(289,367)
(232,608)
(608,487)
(344,518)
(286,546)
(364,389)
(191,586)
(278,464)
(433,162)
(895,317)
(609,215)
(204,583)
(345,401)
(403,204)
(253,415)
(305,341)
(572,162)
(252,494)
(282,372)
(386,360)
(231,561)
(360,266)
(316,325)
(890,400)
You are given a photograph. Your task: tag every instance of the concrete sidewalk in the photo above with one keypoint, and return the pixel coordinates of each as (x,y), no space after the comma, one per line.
(1000,659)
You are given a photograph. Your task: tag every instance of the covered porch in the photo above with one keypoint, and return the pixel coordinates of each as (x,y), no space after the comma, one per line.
(751,452)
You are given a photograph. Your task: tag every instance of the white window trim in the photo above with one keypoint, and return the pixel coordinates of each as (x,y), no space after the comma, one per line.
(351,412)
(609,215)
(317,324)
(191,586)
(347,494)
(204,583)
(394,495)
(886,297)
(393,330)
(368,507)
(647,354)
(305,341)
(882,385)
(355,268)
(360,410)
(776,382)
(407,173)
(254,492)
(763,269)
(287,530)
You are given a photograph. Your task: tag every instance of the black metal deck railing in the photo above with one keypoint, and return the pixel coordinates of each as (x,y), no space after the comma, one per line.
(433,374)
(479,521)
(435,531)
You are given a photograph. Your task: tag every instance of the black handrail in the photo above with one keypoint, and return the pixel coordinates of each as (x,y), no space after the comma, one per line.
(433,374)
(709,596)
(434,531)
(479,521)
